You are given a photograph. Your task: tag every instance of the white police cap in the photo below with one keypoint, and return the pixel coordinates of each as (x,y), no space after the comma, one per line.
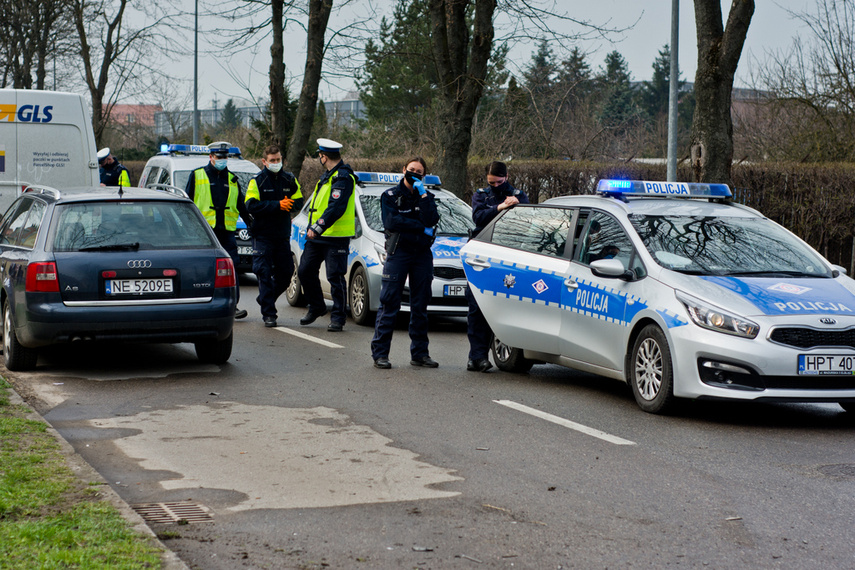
(327,145)
(219,148)
(103,153)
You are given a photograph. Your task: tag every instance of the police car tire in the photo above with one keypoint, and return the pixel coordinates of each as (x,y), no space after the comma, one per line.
(508,358)
(15,356)
(294,292)
(215,351)
(847,406)
(358,298)
(651,356)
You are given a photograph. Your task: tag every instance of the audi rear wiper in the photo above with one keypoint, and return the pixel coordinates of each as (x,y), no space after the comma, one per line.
(114,247)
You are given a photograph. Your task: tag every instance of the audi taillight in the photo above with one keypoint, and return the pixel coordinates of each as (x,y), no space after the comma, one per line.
(42,278)
(225,273)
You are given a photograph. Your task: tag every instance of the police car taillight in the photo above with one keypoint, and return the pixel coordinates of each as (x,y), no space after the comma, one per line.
(225,276)
(621,188)
(42,278)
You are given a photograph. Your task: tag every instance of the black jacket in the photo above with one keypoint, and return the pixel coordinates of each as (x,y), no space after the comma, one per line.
(268,219)
(407,213)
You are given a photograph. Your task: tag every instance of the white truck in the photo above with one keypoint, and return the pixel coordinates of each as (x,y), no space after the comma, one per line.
(46,138)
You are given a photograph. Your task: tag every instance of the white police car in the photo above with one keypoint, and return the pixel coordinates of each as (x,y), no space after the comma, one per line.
(671,288)
(172,167)
(367,250)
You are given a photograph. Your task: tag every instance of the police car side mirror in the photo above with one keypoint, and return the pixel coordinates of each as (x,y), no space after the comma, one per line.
(611,268)
(837,271)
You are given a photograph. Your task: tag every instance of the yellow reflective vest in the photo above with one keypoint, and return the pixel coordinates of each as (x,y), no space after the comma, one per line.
(202,199)
(345,226)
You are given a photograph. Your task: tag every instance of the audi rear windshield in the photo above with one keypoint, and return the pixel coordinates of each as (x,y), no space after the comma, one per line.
(143,225)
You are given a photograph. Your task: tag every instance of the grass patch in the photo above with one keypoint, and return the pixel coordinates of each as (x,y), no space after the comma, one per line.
(48,517)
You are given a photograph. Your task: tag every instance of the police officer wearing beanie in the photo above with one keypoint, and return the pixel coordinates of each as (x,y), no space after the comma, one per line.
(270,198)
(486,205)
(332,222)
(216,193)
(409,217)
(111,171)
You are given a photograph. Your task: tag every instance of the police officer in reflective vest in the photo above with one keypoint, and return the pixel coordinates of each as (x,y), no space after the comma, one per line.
(409,218)
(332,222)
(270,198)
(112,173)
(486,205)
(216,193)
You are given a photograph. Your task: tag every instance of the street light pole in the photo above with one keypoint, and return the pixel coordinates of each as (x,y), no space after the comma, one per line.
(196,78)
(672,92)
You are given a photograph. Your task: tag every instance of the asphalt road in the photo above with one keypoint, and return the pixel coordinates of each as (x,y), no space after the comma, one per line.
(303,455)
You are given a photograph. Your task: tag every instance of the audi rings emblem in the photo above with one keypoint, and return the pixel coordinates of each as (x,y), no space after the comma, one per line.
(139,263)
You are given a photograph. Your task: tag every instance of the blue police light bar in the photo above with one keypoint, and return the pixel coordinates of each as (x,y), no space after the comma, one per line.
(193,149)
(619,188)
(392,178)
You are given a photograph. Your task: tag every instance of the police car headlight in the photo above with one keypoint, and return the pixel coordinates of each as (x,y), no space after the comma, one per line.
(381,252)
(713,318)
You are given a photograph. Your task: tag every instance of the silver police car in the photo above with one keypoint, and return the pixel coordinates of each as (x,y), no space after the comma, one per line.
(670,287)
(367,251)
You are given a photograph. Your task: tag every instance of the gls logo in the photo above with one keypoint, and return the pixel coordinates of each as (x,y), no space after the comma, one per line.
(26,113)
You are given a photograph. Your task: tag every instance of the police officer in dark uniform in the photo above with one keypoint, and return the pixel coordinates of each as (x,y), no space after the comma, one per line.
(332,222)
(270,198)
(217,194)
(112,173)
(409,218)
(486,205)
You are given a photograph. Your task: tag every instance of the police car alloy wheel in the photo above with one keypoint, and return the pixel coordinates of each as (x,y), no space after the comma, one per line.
(651,375)
(294,292)
(358,297)
(508,358)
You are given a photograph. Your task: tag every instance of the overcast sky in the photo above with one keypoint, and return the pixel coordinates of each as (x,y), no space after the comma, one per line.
(772,28)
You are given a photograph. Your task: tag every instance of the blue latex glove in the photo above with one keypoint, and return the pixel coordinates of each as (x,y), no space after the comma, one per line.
(429,231)
(420,186)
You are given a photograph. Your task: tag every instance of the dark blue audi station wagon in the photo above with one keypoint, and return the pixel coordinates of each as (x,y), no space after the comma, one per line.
(112,264)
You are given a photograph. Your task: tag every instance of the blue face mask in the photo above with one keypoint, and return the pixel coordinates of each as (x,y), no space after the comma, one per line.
(220,164)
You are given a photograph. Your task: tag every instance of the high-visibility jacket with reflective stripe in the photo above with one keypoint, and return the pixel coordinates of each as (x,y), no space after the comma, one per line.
(203,200)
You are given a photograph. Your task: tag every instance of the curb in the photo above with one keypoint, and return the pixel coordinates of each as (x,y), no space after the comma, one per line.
(87,474)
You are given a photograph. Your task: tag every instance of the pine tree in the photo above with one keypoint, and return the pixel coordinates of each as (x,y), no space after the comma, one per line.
(230,117)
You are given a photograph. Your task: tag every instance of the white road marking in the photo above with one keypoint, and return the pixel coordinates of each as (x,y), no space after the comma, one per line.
(309,338)
(566,423)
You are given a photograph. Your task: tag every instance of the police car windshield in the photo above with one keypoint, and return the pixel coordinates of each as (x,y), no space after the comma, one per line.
(455,217)
(727,246)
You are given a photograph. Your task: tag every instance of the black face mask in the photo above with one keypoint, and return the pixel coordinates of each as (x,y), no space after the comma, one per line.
(412,176)
(502,188)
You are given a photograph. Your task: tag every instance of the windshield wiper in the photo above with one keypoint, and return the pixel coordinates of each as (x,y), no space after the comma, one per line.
(773,273)
(114,247)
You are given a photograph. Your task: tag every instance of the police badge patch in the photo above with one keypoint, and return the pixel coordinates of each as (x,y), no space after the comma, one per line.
(336,194)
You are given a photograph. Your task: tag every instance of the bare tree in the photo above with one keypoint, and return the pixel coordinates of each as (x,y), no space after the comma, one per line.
(719,49)
(811,88)
(112,53)
(32,35)
(319,15)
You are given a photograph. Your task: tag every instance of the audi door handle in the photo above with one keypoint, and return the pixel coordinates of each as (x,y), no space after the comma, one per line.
(571,284)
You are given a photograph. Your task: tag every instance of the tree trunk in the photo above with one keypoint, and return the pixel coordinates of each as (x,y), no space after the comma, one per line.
(277,77)
(719,49)
(462,69)
(319,15)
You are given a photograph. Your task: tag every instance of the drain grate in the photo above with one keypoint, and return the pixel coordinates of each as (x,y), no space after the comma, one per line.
(183,512)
